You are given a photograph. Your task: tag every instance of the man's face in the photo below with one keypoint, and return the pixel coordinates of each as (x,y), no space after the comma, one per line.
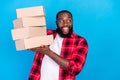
(64,24)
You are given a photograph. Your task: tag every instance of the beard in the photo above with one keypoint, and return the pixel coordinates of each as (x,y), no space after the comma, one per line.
(60,32)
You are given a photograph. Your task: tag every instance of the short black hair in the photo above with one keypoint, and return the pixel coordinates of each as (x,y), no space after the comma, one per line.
(62,11)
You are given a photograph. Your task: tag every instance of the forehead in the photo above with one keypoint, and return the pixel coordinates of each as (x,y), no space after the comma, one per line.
(64,14)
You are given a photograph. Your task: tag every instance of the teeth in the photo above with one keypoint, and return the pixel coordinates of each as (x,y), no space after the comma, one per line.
(65,29)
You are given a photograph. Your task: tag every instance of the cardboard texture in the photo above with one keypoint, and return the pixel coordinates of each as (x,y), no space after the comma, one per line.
(29,21)
(33,42)
(31,11)
(30,28)
(22,33)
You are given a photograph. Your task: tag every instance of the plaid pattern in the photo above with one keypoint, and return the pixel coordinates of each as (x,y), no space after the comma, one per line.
(74,49)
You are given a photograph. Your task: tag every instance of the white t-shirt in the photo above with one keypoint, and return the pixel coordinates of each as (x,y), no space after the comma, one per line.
(49,68)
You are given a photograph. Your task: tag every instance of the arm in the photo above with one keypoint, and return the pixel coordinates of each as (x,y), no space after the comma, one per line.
(73,65)
(78,59)
(61,61)
(45,50)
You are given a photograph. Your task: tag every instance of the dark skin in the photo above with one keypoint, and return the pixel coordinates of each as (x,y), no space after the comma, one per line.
(64,22)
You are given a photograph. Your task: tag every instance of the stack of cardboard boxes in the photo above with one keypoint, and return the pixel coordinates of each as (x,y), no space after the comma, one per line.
(30,28)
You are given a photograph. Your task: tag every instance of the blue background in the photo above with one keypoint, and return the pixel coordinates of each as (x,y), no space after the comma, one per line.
(97,20)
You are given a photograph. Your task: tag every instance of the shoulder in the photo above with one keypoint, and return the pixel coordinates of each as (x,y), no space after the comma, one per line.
(80,39)
(76,36)
(49,32)
(52,32)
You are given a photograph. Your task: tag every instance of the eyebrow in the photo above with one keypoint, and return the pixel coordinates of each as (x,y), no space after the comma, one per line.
(61,18)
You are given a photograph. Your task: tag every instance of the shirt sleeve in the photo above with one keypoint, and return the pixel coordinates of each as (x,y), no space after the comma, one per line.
(35,71)
(78,58)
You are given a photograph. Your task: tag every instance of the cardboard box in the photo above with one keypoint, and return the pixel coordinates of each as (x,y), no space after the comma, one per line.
(33,42)
(22,33)
(31,11)
(29,21)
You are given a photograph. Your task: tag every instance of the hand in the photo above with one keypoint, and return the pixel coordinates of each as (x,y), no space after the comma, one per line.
(58,59)
(42,49)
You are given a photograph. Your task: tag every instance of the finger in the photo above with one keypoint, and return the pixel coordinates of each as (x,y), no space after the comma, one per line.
(42,46)
(28,49)
(33,49)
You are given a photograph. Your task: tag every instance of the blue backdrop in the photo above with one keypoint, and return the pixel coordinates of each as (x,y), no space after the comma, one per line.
(97,20)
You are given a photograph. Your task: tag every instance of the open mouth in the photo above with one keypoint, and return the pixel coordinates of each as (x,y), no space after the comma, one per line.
(65,30)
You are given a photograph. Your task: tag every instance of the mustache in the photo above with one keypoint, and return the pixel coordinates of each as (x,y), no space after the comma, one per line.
(62,34)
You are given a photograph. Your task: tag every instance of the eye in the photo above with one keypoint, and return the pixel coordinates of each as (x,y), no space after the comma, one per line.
(64,21)
(69,21)
(60,21)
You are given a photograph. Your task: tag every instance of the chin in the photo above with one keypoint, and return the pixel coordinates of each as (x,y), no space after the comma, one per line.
(65,33)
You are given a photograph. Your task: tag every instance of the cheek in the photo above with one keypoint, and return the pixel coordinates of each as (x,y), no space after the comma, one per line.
(59,25)
(70,25)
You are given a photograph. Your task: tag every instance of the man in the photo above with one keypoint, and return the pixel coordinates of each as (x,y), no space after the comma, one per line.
(65,58)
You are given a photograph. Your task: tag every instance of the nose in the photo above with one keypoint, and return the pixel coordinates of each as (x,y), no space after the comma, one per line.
(65,23)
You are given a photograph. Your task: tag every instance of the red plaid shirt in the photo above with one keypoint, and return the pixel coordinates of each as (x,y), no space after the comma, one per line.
(74,49)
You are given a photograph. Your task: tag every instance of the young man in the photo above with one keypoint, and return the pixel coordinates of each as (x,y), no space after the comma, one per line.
(65,58)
